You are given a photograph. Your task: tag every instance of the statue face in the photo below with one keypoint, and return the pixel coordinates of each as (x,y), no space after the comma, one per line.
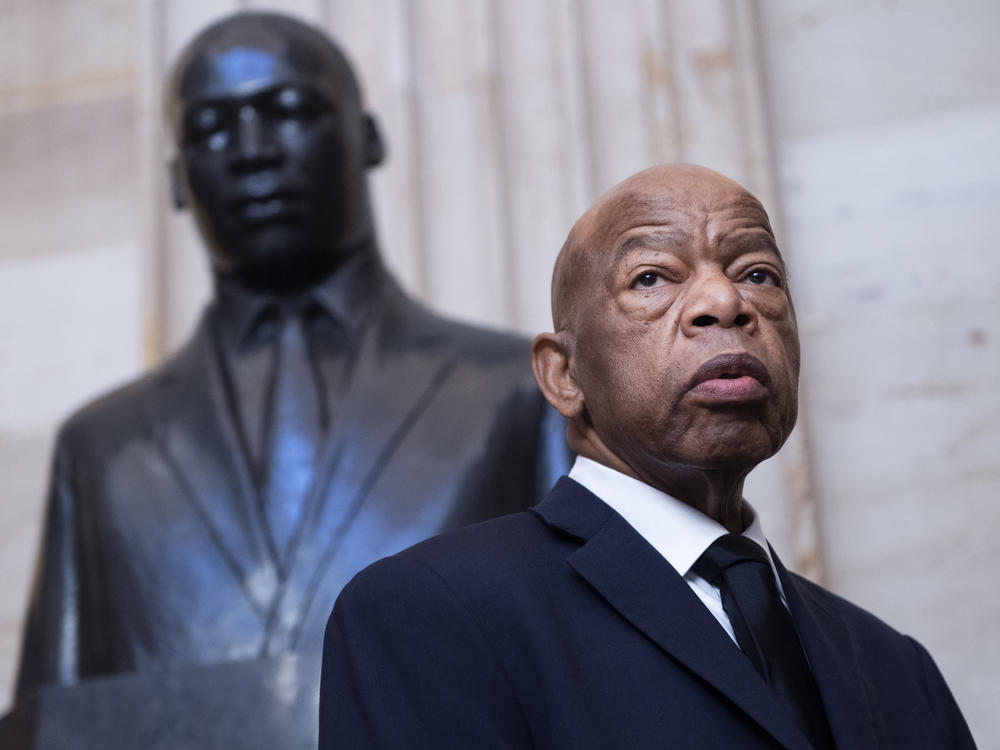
(686,350)
(273,153)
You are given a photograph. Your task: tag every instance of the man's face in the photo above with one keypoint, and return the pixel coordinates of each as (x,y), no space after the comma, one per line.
(686,344)
(272,145)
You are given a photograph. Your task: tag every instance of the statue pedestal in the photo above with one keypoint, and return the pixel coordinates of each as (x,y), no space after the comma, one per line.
(269,703)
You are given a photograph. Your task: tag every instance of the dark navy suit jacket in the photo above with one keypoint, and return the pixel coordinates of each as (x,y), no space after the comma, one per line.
(561,627)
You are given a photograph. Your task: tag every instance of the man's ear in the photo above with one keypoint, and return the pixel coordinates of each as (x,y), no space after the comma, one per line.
(178,187)
(552,363)
(374,145)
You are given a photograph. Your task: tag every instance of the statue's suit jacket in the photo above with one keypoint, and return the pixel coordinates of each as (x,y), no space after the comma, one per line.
(154,551)
(561,627)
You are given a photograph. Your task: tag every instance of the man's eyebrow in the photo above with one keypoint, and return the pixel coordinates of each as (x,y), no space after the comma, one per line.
(659,239)
(750,239)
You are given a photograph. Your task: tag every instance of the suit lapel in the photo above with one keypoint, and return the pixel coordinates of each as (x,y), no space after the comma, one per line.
(394,377)
(635,579)
(204,453)
(832,655)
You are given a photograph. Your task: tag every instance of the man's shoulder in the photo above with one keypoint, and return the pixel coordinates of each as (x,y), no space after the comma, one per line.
(898,670)
(863,623)
(506,554)
(488,545)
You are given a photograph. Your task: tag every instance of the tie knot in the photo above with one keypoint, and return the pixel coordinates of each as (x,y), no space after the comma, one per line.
(283,317)
(302,309)
(726,551)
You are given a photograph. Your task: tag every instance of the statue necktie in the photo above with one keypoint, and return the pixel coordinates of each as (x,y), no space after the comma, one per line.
(293,432)
(764,628)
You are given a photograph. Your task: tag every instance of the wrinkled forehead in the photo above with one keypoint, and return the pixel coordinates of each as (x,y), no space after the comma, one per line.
(706,209)
(664,207)
(247,54)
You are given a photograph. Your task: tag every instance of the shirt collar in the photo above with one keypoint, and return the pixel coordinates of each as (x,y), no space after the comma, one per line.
(677,531)
(346,296)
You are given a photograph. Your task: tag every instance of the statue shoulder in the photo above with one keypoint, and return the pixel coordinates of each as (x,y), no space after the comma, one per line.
(118,412)
(469,341)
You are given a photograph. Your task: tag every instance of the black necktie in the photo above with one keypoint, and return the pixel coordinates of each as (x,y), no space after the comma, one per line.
(764,628)
(294,429)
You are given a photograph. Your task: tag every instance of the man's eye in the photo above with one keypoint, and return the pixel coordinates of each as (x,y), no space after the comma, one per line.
(762,277)
(647,280)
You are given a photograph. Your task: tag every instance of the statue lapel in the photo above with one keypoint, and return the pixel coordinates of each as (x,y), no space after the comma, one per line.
(199,439)
(395,376)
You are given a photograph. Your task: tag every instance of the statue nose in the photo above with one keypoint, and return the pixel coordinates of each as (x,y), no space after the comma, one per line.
(253,146)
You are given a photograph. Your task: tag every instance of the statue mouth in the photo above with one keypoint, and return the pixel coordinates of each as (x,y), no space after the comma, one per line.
(279,206)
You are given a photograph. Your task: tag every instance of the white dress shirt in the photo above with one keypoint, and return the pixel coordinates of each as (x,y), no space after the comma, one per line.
(676,530)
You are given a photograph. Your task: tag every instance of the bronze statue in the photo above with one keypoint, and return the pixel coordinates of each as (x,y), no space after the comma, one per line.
(318,419)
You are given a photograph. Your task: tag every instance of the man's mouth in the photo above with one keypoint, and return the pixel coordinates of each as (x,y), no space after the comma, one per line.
(731,378)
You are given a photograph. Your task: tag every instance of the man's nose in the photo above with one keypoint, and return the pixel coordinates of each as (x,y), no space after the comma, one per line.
(714,300)
(254,145)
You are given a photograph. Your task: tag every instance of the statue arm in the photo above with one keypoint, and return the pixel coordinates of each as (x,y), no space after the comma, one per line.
(554,456)
(49,646)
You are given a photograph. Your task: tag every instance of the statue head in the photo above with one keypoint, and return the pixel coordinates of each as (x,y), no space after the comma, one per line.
(273,149)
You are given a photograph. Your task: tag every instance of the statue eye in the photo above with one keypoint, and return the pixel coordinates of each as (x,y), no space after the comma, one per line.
(206,120)
(206,125)
(294,103)
(290,100)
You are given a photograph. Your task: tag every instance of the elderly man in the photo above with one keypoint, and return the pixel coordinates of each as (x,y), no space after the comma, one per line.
(638,605)
(319,418)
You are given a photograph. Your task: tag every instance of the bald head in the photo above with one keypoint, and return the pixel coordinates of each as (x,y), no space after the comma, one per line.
(667,195)
(675,353)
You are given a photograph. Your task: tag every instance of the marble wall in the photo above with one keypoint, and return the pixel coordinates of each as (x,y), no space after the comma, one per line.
(866,127)
(71,251)
(885,118)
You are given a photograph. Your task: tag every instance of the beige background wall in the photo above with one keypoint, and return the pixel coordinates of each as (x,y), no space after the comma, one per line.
(867,127)
(885,117)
